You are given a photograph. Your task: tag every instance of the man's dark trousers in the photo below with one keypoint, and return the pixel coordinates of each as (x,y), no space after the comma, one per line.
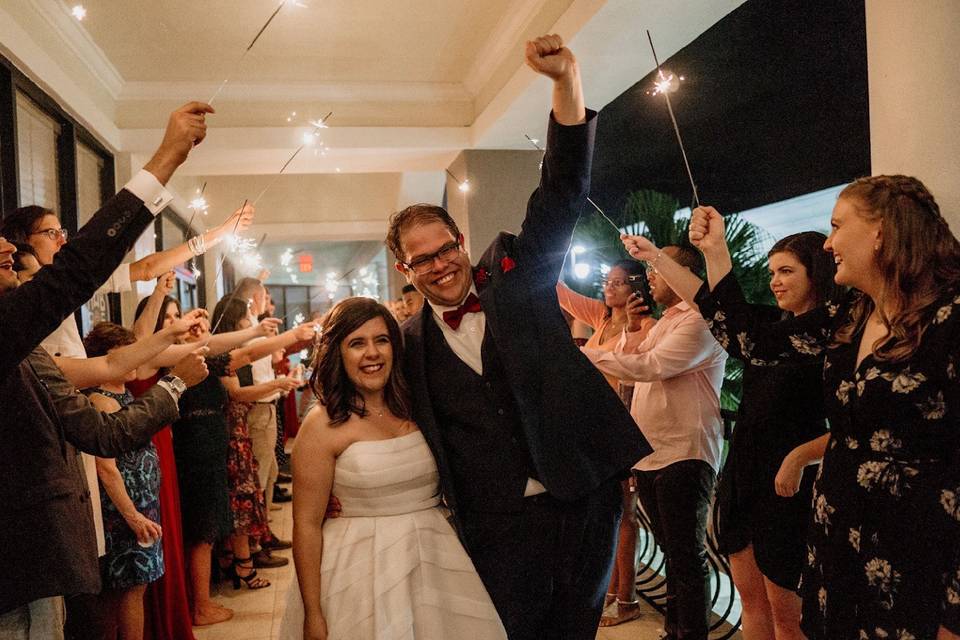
(547,567)
(676,498)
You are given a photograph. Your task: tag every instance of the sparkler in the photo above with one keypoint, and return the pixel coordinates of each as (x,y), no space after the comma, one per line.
(462,185)
(536,144)
(247,247)
(665,85)
(317,125)
(247,50)
(199,203)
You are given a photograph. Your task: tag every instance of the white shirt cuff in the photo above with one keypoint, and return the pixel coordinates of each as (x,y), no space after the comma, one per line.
(145,186)
(170,389)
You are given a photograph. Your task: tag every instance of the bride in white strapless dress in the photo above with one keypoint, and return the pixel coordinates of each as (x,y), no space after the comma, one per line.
(390,567)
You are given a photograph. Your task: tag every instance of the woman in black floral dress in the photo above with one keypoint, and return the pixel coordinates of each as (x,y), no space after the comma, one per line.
(883,549)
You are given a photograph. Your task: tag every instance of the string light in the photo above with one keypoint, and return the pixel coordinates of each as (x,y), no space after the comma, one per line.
(79,11)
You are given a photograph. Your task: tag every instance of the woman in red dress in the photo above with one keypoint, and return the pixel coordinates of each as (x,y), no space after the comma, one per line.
(167,605)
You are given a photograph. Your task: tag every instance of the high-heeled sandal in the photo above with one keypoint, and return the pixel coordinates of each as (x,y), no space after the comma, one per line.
(251,579)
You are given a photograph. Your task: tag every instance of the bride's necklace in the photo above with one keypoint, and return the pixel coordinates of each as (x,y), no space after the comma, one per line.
(378,412)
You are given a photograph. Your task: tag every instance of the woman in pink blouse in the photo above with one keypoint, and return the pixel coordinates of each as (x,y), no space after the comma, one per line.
(609,320)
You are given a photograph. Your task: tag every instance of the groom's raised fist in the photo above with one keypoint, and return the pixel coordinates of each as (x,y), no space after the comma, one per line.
(547,56)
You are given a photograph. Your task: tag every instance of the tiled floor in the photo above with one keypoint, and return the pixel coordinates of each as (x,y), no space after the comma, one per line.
(258,613)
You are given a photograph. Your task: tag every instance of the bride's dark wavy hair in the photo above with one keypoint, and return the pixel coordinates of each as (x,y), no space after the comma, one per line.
(330,380)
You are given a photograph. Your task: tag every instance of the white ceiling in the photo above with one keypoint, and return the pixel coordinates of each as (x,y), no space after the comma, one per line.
(410,83)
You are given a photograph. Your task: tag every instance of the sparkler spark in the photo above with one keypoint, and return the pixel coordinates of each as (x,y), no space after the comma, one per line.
(79,11)
(319,124)
(462,185)
(673,119)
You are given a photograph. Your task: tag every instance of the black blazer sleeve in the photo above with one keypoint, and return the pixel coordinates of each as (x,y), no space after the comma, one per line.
(103,434)
(554,207)
(31,312)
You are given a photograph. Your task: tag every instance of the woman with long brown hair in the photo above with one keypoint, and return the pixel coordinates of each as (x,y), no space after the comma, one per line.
(883,546)
(391,565)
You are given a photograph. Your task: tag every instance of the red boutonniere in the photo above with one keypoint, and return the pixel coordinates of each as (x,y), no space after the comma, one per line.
(507,263)
(480,277)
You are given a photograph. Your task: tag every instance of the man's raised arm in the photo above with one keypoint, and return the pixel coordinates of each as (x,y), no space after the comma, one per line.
(31,312)
(554,207)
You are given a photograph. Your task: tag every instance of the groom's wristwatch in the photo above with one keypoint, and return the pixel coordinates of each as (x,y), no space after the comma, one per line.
(174,385)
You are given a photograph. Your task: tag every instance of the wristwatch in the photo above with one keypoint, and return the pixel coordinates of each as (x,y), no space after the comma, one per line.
(173,383)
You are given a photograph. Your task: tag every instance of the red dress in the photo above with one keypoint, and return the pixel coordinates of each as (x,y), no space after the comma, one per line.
(291,421)
(166,604)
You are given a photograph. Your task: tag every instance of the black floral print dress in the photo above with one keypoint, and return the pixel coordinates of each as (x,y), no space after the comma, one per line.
(883,544)
(768,427)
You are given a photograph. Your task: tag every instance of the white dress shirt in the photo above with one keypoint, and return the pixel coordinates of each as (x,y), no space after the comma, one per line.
(262,369)
(65,341)
(678,371)
(466,341)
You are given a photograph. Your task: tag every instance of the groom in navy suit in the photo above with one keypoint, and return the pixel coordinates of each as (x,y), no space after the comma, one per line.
(530,440)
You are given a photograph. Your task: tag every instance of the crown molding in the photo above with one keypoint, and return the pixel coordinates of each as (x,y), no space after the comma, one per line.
(57,15)
(500,44)
(307,91)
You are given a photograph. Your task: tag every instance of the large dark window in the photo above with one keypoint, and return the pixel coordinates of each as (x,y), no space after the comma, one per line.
(49,159)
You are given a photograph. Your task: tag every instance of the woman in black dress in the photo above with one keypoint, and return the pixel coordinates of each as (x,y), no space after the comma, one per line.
(763,495)
(883,546)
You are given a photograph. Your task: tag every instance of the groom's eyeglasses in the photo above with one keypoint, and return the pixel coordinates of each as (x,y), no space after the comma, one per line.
(424,264)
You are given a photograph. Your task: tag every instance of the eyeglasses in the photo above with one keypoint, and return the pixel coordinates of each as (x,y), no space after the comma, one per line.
(53,234)
(422,265)
(615,282)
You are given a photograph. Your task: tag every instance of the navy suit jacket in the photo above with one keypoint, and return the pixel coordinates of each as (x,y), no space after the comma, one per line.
(46,523)
(578,432)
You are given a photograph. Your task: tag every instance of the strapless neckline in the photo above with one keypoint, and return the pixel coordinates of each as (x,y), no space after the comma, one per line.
(381,441)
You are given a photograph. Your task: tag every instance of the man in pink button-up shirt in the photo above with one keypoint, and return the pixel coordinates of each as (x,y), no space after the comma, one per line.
(678,371)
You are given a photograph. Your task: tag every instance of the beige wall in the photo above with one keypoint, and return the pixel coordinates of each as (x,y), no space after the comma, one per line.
(914,77)
(500,185)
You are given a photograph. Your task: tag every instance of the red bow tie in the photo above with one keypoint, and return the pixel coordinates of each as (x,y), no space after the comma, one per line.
(455,316)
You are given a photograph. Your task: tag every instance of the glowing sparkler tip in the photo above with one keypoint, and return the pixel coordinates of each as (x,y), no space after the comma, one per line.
(309,139)
(464,186)
(199,203)
(79,11)
(666,83)
(318,124)
(299,318)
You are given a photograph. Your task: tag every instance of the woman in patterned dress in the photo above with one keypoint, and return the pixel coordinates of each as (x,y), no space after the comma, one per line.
(247,500)
(130,501)
(883,548)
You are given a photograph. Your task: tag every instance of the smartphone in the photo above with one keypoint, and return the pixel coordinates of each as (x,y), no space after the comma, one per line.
(641,287)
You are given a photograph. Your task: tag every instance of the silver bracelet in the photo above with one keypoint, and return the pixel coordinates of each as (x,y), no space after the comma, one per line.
(197,245)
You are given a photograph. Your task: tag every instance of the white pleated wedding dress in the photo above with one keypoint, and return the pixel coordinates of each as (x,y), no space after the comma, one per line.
(393,568)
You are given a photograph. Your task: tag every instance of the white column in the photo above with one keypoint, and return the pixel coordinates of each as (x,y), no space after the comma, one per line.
(913,57)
